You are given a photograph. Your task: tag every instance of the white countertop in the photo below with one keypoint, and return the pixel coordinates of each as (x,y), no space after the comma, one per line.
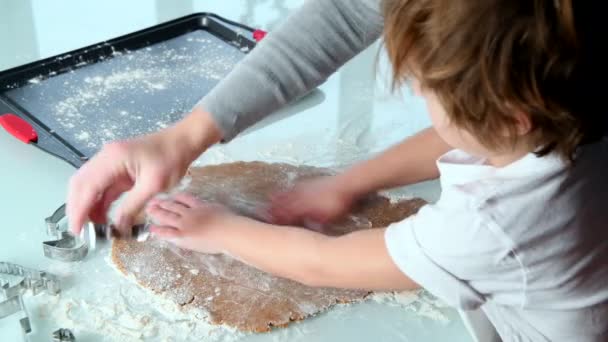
(350,117)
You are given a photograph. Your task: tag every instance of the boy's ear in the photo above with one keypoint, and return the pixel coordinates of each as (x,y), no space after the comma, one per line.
(523,124)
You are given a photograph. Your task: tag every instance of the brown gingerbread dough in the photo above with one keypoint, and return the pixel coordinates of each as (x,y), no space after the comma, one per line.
(231,292)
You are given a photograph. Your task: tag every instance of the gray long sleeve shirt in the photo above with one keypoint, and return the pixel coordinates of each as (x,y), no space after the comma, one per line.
(299,55)
(308,47)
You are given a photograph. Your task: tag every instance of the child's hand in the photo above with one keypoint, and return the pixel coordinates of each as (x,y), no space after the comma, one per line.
(191,224)
(321,200)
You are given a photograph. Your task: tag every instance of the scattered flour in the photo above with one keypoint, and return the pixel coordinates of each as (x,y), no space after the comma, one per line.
(396,196)
(419,301)
(83,135)
(130,313)
(126,317)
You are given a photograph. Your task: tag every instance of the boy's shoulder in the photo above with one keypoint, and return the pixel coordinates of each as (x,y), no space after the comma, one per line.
(463,173)
(531,192)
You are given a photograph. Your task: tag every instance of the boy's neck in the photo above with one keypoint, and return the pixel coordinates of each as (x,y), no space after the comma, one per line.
(505,159)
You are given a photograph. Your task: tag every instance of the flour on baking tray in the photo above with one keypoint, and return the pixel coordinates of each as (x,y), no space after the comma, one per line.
(91,104)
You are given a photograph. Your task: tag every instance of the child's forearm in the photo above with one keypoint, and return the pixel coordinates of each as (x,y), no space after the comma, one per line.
(358,260)
(411,161)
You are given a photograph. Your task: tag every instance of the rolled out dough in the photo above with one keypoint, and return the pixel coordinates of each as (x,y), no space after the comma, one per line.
(231,292)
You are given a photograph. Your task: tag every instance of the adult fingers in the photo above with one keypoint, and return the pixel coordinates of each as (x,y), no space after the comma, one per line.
(135,201)
(99,212)
(86,188)
(278,211)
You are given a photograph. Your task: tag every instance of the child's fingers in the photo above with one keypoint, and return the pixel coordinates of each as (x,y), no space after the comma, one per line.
(292,209)
(173,206)
(164,232)
(187,200)
(163,217)
(154,201)
(278,207)
(276,215)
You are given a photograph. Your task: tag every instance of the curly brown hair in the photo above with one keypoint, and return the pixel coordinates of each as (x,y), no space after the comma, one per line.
(488,59)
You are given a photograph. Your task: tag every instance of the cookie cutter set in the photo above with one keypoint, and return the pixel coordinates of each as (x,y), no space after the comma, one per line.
(11,296)
(65,247)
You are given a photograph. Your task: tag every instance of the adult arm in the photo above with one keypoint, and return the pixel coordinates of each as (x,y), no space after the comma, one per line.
(299,55)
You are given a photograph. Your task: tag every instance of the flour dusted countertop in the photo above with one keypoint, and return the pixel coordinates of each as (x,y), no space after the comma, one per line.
(98,299)
(350,118)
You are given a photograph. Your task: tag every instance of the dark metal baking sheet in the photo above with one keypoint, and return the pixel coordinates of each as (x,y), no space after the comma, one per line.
(122,88)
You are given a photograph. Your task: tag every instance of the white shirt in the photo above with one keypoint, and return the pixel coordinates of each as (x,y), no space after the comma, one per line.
(528,243)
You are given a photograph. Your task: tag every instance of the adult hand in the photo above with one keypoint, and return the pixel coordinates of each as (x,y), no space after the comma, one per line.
(146,166)
(321,200)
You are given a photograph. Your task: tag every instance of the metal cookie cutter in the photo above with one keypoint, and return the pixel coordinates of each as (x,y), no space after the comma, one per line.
(139,232)
(63,335)
(67,247)
(12,306)
(34,280)
(11,299)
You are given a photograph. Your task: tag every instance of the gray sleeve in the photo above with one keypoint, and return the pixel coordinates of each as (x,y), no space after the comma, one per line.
(310,45)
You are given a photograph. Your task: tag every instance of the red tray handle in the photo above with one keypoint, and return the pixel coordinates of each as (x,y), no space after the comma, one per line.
(18,128)
(258,35)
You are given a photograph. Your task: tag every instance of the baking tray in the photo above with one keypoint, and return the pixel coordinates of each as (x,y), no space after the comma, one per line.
(124,87)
